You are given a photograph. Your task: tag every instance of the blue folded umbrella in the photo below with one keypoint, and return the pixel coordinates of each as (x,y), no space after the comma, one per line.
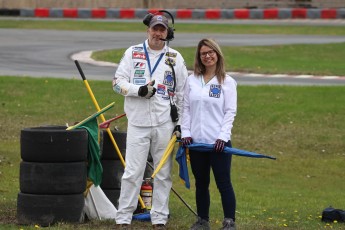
(201,147)
(182,162)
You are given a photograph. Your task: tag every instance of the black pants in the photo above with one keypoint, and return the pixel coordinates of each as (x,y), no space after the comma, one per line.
(201,164)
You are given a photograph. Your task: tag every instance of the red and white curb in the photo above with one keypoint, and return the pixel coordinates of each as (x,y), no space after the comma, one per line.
(85,56)
(132,13)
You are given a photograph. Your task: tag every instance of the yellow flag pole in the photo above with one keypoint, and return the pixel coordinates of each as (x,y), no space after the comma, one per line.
(103,120)
(166,154)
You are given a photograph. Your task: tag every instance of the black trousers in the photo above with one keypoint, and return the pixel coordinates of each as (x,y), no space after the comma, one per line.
(201,164)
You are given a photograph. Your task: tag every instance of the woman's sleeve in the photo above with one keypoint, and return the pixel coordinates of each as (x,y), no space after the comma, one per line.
(230,108)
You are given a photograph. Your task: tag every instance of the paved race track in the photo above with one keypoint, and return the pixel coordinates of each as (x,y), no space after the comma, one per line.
(47,53)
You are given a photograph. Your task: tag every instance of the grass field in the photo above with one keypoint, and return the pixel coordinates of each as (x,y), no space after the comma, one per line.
(302,126)
(321,59)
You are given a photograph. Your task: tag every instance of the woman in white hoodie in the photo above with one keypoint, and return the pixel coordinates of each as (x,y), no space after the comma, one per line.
(209,110)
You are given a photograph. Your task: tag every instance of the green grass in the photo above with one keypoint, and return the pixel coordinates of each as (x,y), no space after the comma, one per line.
(137,26)
(324,60)
(302,126)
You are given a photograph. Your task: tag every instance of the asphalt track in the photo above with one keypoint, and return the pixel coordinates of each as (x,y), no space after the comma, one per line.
(48,53)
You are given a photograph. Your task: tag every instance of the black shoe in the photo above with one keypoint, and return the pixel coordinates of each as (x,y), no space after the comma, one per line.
(200,224)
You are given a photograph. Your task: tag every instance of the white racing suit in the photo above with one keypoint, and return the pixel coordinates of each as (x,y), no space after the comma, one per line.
(149,125)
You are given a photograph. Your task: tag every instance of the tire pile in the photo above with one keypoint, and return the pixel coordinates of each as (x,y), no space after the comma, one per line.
(53,175)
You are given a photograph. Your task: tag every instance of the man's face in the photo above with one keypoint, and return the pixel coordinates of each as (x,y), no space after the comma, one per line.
(156,33)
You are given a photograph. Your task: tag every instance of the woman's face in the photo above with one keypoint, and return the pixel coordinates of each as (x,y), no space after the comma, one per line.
(208,56)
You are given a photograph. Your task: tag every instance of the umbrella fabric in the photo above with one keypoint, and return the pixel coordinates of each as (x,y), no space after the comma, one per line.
(142,216)
(182,162)
(201,147)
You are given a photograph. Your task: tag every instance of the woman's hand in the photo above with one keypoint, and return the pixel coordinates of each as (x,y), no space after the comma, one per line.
(219,146)
(187,141)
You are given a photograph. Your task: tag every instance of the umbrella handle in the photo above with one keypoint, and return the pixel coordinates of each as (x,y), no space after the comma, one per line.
(166,154)
(106,124)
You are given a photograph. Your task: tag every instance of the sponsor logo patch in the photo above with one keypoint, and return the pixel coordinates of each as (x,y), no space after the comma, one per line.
(161,89)
(168,78)
(138,55)
(139,81)
(137,48)
(171,60)
(139,65)
(171,92)
(139,73)
(215,91)
(117,88)
(169,54)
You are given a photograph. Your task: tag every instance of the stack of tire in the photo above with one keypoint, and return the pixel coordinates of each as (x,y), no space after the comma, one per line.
(53,174)
(112,166)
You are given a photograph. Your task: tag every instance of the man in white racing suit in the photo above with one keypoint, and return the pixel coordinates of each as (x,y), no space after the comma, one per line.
(151,76)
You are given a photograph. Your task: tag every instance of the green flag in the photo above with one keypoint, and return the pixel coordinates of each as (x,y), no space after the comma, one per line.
(94,168)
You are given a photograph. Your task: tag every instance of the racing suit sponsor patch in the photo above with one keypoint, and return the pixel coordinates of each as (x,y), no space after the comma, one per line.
(138,55)
(138,48)
(215,91)
(168,78)
(170,54)
(161,89)
(139,65)
(171,92)
(139,73)
(171,61)
(139,81)
(118,89)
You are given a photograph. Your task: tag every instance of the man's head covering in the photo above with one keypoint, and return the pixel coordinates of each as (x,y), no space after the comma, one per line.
(159,20)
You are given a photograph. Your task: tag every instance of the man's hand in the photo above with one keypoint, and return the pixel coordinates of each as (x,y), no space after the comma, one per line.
(148,90)
(177,132)
(187,141)
(219,146)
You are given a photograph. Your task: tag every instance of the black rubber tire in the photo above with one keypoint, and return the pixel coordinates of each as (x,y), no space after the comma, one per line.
(113,195)
(53,178)
(53,144)
(49,209)
(108,151)
(112,174)
(113,171)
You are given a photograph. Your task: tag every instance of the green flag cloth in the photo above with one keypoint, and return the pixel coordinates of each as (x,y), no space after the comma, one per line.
(94,168)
